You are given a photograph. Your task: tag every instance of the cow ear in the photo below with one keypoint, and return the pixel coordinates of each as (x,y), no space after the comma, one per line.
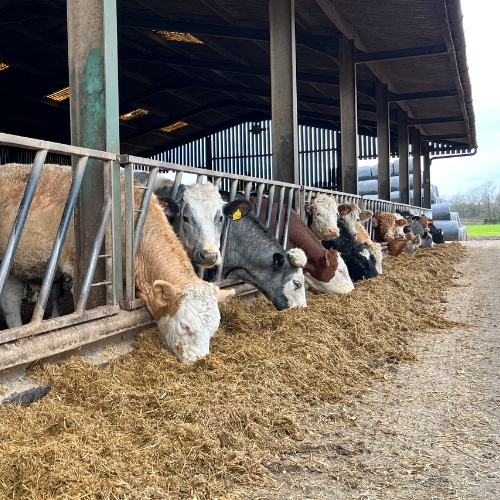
(401,222)
(308,208)
(278,261)
(297,257)
(365,215)
(430,220)
(375,221)
(344,209)
(377,213)
(164,293)
(170,207)
(238,209)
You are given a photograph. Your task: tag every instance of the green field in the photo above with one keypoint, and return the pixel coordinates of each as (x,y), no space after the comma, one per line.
(483,229)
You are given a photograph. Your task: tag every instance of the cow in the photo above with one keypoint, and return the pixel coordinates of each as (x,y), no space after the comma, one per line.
(420,226)
(325,270)
(184,307)
(254,255)
(437,234)
(397,246)
(399,233)
(322,214)
(196,216)
(385,225)
(352,216)
(359,261)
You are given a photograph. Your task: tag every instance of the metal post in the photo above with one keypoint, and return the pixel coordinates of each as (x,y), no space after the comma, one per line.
(348,116)
(284,91)
(417,171)
(384,174)
(93,77)
(427,175)
(404,188)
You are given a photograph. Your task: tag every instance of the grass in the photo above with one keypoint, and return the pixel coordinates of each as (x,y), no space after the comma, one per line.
(483,229)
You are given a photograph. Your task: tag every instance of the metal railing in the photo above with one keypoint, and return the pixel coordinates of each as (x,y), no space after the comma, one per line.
(287,196)
(81,156)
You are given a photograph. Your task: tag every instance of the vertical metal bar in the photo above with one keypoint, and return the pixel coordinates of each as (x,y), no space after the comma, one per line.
(87,280)
(270,204)
(22,214)
(248,189)
(144,209)
(417,171)
(260,193)
(427,175)
(280,212)
(129,233)
(59,240)
(383,136)
(177,183)
(287,218)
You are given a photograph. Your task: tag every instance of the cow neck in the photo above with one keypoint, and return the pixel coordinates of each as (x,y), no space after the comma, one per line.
(299,236)
(161,256)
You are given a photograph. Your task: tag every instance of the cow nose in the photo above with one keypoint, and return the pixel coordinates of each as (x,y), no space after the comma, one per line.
(297,284)
(333,230)
(389,236)
(208,257)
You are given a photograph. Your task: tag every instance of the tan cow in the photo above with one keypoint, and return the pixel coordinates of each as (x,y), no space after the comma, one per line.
(352,215)
(397,246)
(184,307)
(385,225)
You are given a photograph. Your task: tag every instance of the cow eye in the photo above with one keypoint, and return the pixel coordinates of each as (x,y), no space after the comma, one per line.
(185,219)
(221,218)
(296,284)
(318,214)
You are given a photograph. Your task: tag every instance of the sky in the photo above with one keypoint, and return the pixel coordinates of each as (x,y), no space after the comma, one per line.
(456,175)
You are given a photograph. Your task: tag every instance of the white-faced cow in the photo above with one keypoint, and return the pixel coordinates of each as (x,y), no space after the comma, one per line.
(322,214)
(196,216)
(184,307)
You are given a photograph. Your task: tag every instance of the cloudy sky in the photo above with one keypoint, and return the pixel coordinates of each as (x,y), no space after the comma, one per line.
(482,37)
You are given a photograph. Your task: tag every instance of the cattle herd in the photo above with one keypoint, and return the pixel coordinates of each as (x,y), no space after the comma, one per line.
(182,236)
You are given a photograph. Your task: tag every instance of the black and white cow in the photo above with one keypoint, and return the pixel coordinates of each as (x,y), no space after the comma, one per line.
(359,261)
(437,234)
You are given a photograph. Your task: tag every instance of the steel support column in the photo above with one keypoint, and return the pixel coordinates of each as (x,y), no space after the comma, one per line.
(417,170)
(284,91)
(383,145)
(348,116)
(404,185)
(93,78)
(427,175)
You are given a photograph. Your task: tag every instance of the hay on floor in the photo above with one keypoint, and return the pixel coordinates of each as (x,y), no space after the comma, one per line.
(146,426)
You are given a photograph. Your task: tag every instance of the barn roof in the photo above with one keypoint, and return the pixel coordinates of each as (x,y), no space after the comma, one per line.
(186,87)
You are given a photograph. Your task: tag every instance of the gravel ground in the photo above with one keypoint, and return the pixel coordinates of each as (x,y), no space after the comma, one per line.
(432,430)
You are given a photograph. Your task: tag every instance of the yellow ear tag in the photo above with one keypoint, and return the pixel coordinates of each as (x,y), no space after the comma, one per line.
(237,215)
(165,203)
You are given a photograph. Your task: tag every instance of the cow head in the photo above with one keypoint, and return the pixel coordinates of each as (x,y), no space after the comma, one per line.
(386,222)
(254,255)
(412,245)
(351,214)
(323,213)
(339,283)
(427,241)
(425,221)
(400,228)
(187,319)
(200,224)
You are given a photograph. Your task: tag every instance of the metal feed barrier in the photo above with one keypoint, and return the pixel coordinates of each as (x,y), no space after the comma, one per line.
(43,338)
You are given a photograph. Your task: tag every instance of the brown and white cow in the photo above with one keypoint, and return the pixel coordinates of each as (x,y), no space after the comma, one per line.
(184,307)
(352,215)
(325,270)
(385,225)
(397,246)
(323,214)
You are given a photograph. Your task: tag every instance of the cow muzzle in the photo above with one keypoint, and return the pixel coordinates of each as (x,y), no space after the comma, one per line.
(206,259)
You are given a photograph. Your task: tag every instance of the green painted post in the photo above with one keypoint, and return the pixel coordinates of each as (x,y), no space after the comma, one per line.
(93,77)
